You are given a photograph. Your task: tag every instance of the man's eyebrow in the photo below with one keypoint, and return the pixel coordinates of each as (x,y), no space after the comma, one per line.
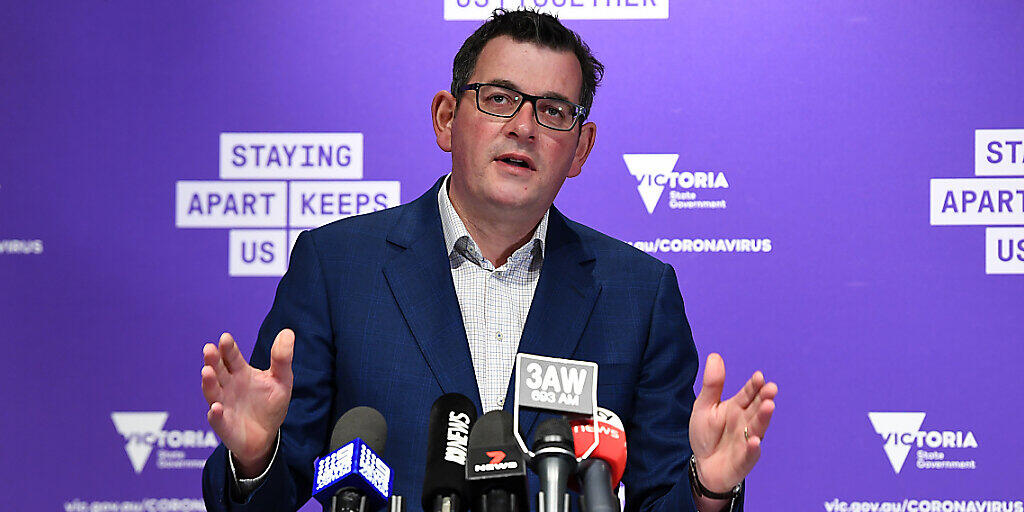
(512,85)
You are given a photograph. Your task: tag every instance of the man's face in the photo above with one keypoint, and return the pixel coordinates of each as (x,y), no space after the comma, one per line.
(481,143)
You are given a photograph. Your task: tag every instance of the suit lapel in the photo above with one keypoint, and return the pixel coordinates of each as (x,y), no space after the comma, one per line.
(562,303)
(420,278)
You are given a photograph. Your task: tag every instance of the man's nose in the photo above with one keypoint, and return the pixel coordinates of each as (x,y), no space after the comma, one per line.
(524,123)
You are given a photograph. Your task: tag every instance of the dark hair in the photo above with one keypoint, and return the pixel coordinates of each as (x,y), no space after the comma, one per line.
(526,26)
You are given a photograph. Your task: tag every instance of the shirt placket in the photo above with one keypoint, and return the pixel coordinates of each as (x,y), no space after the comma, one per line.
(497,335)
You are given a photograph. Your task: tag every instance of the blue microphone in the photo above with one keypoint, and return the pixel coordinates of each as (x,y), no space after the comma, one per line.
(353,477)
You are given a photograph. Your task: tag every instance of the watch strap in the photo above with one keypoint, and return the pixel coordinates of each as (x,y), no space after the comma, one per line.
(700,490)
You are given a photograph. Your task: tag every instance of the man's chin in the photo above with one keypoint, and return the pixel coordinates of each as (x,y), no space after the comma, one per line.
(512,197)
(507,202)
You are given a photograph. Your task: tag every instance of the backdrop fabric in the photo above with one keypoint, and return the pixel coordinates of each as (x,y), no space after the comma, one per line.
(839,187)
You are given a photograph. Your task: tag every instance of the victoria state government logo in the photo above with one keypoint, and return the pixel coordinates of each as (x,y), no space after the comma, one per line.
(144,431)
(901,432)
(688,190)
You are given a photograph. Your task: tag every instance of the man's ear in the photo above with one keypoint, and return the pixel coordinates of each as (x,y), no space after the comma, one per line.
(588,135)
(442,113)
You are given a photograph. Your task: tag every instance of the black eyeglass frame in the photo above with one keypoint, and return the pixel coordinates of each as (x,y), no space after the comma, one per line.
(579,111)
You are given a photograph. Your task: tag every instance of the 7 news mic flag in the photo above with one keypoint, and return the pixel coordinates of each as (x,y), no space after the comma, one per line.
(496,467)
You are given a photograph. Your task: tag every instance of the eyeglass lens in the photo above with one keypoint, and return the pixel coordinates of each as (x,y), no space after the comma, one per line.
(500,101)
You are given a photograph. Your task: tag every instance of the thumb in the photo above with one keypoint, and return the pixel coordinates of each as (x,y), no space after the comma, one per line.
(714,381)
(281,356)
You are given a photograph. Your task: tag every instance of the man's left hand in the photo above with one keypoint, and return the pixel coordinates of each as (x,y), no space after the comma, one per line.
(726,436)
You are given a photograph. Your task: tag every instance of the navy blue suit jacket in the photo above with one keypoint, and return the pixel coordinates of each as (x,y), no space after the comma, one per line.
(377,323)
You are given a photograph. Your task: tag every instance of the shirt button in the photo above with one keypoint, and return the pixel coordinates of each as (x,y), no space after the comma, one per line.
(498,335)
(501,402)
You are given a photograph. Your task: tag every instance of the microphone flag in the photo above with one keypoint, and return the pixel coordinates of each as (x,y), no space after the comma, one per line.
(353,465)
(561,386)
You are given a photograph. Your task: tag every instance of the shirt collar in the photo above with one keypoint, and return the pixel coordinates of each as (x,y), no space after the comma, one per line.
(458,241)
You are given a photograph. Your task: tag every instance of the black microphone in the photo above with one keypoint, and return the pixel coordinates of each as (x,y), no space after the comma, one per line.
(352,478)
(444,483)
(596,495)
(554,461)
(495,466)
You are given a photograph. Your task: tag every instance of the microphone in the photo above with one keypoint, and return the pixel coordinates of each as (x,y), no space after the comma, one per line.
(554,461)
(495,466)
(353,477)
(444,484)
(396,504)
(600,473)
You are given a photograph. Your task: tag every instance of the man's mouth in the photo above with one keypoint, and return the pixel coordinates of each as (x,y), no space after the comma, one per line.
(517,161)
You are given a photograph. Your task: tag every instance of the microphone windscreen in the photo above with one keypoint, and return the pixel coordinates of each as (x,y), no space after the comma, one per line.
(493,428)
(451,418)
(362,422)
(553,432)
(495,465)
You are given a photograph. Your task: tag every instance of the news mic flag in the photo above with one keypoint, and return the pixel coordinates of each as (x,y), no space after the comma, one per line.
(353,467)
(444,482)
(495,466)
(612,446)
(599,474)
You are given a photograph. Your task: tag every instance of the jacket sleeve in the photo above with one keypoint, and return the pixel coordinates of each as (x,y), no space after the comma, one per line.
(303,305)
(657,476)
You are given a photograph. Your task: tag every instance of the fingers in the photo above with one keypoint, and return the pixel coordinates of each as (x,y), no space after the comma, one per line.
(211,386)
(767,392)
(281,356)
(714,381)
(746,417)
(753,453)
(750,453)
(229,353)
(750,390)
(755,410)
(215,416)
(762,415)
(212,359)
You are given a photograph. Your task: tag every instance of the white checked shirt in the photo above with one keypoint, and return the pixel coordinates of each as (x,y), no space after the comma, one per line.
(494,301)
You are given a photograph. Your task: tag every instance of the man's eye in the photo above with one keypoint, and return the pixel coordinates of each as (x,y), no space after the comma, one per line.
(499,99)
(555,112)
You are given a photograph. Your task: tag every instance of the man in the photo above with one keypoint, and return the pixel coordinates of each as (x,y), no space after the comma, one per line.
(394,308)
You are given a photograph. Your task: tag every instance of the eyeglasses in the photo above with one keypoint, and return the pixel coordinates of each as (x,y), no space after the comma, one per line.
(501,101)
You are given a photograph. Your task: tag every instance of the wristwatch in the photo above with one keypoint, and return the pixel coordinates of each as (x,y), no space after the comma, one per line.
(700,490)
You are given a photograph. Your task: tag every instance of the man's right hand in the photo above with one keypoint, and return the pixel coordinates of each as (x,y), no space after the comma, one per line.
(247,406)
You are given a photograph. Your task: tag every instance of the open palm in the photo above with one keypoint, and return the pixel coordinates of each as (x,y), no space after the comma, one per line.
(247,405)
(726,435)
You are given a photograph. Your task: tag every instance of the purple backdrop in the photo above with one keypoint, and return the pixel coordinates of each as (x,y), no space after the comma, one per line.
(826,121)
